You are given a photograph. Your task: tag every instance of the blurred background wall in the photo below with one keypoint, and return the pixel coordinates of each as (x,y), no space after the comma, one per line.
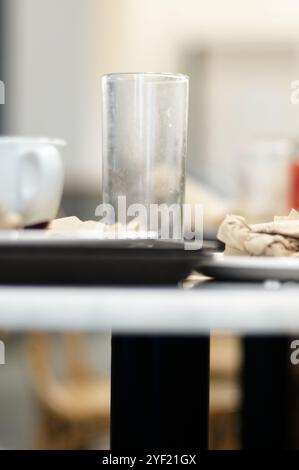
(241,57)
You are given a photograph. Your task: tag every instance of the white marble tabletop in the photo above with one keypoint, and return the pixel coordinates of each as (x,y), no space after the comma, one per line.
(242,308)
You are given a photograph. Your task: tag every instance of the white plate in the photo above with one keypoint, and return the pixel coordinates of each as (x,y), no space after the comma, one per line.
(250,268)
(51,238)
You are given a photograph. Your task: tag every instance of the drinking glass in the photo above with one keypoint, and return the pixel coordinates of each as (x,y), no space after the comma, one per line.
(144,139)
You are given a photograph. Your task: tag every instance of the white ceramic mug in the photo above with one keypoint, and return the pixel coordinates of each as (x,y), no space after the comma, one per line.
(31,177)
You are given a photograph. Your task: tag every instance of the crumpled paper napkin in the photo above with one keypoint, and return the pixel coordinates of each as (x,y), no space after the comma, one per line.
(10,220)
(74,224)
(277,238)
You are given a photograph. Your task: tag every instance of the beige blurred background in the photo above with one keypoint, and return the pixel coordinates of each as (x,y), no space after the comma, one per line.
(241,58)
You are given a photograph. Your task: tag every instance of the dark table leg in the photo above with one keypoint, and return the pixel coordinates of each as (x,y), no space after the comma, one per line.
(160,392)
(266,382)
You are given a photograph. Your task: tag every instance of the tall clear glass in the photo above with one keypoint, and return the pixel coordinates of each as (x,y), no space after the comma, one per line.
(144,138)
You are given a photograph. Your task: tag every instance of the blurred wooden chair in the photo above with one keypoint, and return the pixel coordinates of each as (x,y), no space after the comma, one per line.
(74,410)
(225,393)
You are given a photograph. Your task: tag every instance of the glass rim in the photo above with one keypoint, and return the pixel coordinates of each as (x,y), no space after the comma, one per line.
(180,77)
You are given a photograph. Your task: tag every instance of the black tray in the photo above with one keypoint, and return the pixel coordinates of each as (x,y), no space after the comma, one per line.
(39,259)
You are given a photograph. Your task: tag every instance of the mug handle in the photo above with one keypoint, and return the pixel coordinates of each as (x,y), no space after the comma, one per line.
(40,184)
